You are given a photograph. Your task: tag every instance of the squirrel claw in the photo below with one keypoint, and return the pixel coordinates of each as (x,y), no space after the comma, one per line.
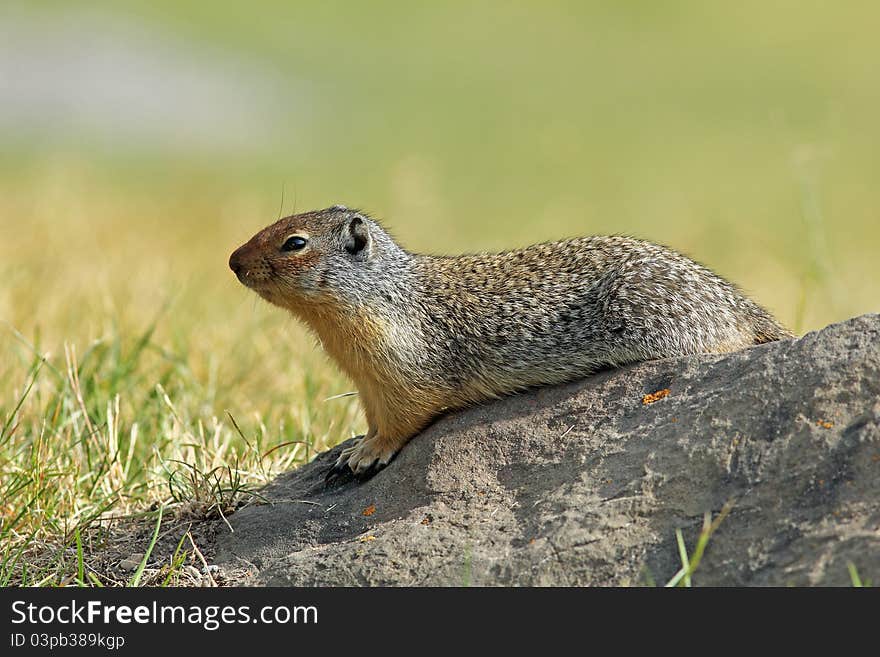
(341,470)
(338,474)
(353,463)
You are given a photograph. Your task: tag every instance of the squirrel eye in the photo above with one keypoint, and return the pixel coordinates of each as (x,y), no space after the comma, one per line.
(294,243)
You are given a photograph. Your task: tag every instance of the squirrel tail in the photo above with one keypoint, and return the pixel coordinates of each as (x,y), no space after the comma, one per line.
(767,329)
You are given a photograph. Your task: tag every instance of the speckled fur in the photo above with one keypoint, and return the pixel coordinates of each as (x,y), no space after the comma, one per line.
(419,334)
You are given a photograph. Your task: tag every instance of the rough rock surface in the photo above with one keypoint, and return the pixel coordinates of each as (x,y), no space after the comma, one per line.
(585,484)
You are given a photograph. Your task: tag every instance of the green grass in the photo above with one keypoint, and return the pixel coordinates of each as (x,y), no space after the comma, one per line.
(690,563)
(139,573)
(855,578)
(137,374)
(92,441)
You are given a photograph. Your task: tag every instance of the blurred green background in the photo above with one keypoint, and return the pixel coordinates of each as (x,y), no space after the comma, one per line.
(142,141)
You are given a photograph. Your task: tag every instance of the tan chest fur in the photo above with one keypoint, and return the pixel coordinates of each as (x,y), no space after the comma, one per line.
(368,349)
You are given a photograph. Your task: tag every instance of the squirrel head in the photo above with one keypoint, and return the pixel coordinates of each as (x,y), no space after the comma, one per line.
(312,257)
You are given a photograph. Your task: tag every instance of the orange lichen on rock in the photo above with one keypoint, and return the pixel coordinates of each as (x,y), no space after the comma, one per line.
(370,510)
(655,396)
(825,424)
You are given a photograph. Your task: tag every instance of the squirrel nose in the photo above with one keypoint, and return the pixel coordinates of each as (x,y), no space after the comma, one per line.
(236,263)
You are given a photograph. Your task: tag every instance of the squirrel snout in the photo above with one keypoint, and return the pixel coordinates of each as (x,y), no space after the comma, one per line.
(249,266)
(236,262)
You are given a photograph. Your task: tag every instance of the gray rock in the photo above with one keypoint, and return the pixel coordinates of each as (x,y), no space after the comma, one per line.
(585,484)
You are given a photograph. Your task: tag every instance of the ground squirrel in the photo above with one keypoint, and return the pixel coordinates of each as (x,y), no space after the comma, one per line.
(422,334)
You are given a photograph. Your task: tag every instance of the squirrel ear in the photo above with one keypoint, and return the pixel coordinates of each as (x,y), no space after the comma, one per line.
(357,238)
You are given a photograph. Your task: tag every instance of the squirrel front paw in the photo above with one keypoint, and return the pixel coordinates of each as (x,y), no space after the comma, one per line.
(365,456)
(368,452)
